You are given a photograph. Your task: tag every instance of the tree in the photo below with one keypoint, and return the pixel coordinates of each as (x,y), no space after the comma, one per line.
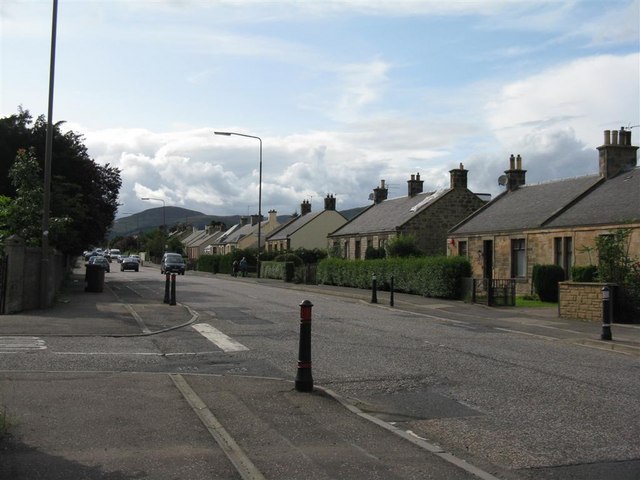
(25,212)
(84,195)
(403,246)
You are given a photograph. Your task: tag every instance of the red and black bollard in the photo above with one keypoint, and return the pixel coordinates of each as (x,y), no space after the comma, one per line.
(304,379)
(173,289)
(167,285)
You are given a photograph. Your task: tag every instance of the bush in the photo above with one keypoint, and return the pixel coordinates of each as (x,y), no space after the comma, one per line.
(289,257)
(429,276)
(588,273)
(403,246)
(373,253)
(545,281)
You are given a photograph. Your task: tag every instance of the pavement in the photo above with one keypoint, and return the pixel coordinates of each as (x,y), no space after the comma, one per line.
(113,425)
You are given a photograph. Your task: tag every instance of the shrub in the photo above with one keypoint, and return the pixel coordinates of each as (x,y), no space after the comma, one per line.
(289,257)
(429,276)
(588,273)
(403,246)
(545,281)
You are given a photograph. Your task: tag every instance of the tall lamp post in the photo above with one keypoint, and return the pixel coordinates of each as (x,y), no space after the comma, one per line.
(228,134)
(164,218)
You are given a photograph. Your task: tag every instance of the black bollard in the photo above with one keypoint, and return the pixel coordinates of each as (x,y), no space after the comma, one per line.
(374,289)
(304,379)
(606,314)
(173,289)
(167,285)
(391,297)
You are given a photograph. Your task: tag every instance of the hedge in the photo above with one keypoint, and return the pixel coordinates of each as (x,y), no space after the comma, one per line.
(439,277)
(545,280)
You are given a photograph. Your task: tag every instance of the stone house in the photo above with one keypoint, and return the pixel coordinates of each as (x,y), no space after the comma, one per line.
(245,234)
(426,215)
(555,222)
(197,245)
(308,230)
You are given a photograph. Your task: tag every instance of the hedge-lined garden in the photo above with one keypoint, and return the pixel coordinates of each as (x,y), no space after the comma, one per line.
(439,277)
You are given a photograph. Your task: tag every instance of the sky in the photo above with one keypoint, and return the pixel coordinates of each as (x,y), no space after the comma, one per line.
(342,93)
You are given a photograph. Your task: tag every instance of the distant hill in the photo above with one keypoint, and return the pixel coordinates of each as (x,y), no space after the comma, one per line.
(153,218)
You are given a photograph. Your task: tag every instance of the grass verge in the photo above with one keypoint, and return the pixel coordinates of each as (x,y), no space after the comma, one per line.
(533,303)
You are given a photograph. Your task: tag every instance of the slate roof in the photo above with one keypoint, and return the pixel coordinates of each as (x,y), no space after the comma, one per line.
(390,214)
(588,200)
(293,226)
(615,201)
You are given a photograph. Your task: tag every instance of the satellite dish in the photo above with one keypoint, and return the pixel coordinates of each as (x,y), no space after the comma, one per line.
(371,196)
(502,180)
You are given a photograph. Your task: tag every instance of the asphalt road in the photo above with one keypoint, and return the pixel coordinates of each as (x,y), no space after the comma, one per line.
(504,394)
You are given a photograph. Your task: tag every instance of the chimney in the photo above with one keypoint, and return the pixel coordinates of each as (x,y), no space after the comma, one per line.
(330,202)
(515,174)
(255,219)
(458,177)
(414,186)
(380,193)
(305,207)
(273,217)
(617,155)
(244,221)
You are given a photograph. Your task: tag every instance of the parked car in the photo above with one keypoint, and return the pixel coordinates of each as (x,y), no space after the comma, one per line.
(137,257)
(129,263)
(101,261)
(113,253)
(172,263)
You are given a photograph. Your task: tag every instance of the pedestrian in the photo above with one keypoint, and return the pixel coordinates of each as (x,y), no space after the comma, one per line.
(234,268)
(243,266)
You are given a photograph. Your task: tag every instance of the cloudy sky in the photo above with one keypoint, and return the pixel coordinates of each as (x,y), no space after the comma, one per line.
(343,93)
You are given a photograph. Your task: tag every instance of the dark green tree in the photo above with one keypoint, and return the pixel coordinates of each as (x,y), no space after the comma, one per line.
(403,246)
(84,194)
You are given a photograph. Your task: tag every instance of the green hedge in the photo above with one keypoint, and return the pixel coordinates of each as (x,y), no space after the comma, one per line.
(278,270)
(588,273)
(545,280)
(429,276)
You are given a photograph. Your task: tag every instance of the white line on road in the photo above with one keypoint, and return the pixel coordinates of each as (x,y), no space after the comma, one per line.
(21,344)
(222,341)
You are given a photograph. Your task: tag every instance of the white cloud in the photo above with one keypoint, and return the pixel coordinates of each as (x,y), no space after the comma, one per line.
(572,95)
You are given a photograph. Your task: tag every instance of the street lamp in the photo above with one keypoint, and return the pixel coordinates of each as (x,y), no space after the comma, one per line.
(228,134)
(164,218)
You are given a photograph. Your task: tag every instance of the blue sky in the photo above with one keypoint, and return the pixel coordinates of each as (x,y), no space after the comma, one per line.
(342,93)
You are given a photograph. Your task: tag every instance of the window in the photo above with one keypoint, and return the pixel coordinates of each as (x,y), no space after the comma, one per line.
(518,258)
(357,252)
(462,248)
(563,253)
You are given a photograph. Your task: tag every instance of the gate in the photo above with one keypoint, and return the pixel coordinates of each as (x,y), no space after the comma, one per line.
(494,292)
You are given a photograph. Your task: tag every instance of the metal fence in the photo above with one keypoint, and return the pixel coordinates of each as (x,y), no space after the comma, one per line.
(494,292)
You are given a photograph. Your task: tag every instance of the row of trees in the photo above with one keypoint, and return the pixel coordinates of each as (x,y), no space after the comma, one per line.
(84,194)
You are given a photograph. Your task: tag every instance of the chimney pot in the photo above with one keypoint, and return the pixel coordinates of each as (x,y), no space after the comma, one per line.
(512,162)
(518,162)
(607,137)
(614,139)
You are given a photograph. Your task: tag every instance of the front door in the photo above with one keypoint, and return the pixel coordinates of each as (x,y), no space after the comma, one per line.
(487,259)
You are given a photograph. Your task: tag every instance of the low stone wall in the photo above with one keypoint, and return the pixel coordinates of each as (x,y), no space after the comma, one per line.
(582,300)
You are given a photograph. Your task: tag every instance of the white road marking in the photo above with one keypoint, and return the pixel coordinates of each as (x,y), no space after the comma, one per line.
(222,341)
(21,344)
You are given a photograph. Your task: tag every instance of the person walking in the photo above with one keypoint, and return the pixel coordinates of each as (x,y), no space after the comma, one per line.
(243,267)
